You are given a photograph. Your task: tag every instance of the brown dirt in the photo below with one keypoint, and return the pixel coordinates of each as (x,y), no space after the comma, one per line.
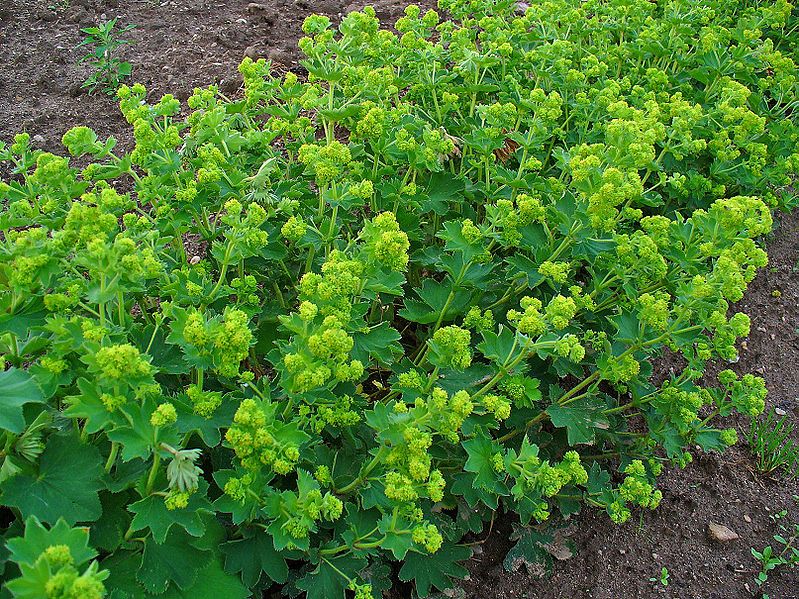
(178,45)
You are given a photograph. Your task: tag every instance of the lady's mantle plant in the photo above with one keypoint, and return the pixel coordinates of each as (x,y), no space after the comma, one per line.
(323,330)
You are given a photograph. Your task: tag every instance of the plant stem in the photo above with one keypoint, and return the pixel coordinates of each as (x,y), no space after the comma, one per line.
(112,457)
(153,473)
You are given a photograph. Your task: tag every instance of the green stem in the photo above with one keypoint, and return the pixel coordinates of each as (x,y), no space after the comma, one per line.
(331,229)
(505,368)
(153,473)
(222,272)
(101,304)
(365,471)
(121,309)
(112,457)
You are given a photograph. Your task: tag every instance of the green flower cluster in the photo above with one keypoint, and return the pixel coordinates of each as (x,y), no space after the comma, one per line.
(537,480)
(244,235)
(54,575)
(635,489)
(680,406)
(557,271)
(326,354)
(255,438)
(337,413)
(332,290)
(746,394)
(67,583)
(385,243)
(293,229)
(297,514)
(164,415)
(220,342)
(531,321)
(328,162)
(451,347)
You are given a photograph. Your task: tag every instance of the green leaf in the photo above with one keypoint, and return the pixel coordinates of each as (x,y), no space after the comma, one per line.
(569,506)
(108,531)
(175,560)
(379,342)
(212,583)
(398,543)
(433,298)
(628,327)
(17,388)
(475,376)
(598,480)
(441,189)
(24,319)
(502,348)
(326,580)
(66,485)
(523,265)
(87,405)
(530,551)
(162,353)
(239,510)
(253,556)
(452,234)
(481,450)
(710,440)
(206,428)
(137,435)
(581,419)
(37,538)
(32,584)
(151,512)
(122,583)
(435,570)
(378,574)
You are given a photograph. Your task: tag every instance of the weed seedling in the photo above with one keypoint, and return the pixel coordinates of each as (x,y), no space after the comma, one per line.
(769,441)
(108,71)
(788,556)
(663,579)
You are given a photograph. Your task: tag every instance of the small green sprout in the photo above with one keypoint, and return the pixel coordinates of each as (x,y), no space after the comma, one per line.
(663,579)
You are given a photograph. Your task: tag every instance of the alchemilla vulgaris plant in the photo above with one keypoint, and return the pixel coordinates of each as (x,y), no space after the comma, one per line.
(313,336)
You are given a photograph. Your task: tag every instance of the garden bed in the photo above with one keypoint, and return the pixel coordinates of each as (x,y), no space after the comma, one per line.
(177,46)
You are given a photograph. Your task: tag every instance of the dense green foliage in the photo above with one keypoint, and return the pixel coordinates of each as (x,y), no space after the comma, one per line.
(328,328)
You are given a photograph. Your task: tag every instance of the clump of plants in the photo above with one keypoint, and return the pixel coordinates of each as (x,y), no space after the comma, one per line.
(437,272)
(769,439)
(108,70)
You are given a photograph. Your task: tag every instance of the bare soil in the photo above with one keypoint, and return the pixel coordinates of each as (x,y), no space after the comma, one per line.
(178,45)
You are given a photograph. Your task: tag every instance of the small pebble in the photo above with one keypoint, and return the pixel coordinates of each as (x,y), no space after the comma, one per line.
(252,52)
(720,533)
(747,519)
